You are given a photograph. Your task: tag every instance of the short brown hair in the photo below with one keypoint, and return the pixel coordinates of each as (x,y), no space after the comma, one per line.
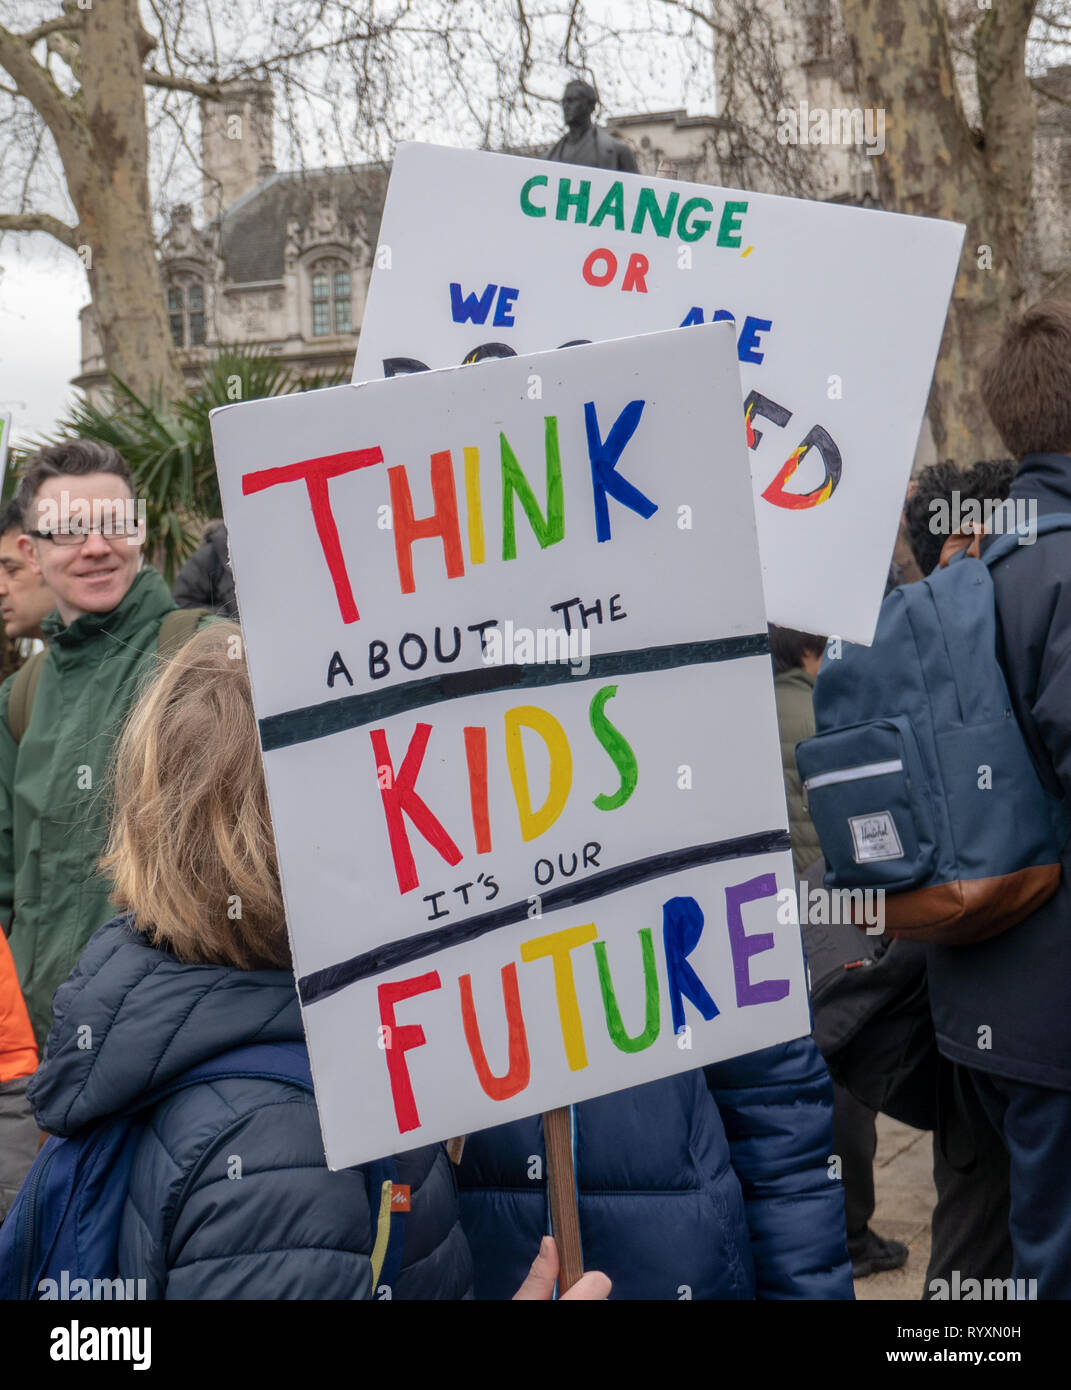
(1026,382)
(74,457)
(191,849)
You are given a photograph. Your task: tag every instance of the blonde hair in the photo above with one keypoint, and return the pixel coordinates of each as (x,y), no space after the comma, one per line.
(191,850)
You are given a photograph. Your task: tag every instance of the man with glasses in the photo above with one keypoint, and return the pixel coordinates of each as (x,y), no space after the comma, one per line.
(60,716)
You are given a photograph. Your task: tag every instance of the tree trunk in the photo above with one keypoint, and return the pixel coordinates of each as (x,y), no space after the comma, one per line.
(110,190)
(935,165)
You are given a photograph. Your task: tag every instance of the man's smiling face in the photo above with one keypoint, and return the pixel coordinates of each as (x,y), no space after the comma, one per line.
(94,576)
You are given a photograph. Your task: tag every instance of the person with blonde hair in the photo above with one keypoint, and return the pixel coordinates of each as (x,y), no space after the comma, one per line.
(229,1196)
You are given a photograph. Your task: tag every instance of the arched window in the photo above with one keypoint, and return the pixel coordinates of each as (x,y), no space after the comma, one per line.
(332,305)
(186,313)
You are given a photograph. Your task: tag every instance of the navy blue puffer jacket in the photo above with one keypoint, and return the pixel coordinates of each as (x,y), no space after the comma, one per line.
(704,1185)
(287,1227)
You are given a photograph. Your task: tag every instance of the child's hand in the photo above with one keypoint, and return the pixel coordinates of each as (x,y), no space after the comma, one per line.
(541,1278)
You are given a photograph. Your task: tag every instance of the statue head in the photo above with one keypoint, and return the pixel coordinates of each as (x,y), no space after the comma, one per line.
(578,103)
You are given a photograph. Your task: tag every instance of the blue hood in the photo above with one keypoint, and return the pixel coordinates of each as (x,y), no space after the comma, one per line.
(130,1018)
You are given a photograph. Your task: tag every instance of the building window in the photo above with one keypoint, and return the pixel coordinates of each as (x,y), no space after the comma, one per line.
(186,313)
(332,310)
(174,309)
(342,302)
(321,305)
(196,301)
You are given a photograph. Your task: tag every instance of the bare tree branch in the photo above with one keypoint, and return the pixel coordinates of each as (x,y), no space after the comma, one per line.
(63,24)
(67,50)
(1007,106)
(39,222)
(39,88)
(211,91)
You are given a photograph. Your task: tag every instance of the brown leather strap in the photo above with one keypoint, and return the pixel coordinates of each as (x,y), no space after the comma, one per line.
(22,694)
(176,630)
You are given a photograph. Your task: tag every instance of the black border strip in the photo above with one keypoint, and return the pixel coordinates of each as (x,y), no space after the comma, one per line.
(333,716)
(323,983)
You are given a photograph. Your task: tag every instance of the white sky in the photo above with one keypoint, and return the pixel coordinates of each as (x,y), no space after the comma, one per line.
(41,291)
(43,286)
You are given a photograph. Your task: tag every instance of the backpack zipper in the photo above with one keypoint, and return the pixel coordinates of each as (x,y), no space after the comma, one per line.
(27,1218)
(854,774)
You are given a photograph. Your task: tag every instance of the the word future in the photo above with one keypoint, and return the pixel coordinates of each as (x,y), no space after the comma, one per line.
(547,521)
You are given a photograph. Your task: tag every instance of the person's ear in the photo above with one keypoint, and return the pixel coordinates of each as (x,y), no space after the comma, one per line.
(28,550)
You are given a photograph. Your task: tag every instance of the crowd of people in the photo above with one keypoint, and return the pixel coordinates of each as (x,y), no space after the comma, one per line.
(131,782)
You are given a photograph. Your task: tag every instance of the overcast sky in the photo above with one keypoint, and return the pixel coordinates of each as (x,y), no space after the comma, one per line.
(41,291)
(43,286)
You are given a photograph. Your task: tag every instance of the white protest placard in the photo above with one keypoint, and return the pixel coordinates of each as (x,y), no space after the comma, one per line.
(5,441)
(838,317)
(506,636)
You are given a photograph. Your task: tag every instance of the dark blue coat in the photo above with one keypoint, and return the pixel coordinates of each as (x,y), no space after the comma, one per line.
(1016,985)
(707,1186)
(131,1018)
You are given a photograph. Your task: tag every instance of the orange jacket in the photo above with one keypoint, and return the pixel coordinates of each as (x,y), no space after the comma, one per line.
(18,1051)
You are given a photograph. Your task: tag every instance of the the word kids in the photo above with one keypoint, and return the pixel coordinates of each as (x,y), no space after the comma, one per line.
(401,800)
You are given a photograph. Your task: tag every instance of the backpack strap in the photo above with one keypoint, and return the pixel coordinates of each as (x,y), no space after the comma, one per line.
(176,630)
(1011,540)
(23,690)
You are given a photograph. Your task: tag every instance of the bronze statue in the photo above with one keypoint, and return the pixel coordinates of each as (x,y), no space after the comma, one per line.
(585,142)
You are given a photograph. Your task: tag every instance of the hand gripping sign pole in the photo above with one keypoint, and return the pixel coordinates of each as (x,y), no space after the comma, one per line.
(561,1183)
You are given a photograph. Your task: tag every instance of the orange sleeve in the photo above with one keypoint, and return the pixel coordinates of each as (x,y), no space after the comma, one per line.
(18,1050)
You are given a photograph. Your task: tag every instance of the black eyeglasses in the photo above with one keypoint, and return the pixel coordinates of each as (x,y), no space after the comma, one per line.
(78,535)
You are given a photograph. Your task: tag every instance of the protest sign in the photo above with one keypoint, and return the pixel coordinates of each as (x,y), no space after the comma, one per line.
(506,637)
(838,314)
(5,440)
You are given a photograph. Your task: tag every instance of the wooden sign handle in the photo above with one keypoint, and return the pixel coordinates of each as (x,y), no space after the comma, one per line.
(561,1180)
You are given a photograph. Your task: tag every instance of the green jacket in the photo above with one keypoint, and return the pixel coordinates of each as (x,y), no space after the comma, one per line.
(794,692)
(54,786)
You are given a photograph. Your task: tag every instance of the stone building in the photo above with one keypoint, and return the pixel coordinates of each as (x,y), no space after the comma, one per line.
(283,260)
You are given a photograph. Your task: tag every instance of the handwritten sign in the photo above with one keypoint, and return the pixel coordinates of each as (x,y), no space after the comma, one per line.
(508,650)
(837,316)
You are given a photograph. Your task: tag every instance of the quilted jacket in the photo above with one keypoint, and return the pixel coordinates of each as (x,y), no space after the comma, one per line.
(710,1185)
(229,1197)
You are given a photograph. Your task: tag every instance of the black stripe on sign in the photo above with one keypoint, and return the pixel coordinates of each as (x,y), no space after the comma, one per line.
(322,983)
(333,716)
